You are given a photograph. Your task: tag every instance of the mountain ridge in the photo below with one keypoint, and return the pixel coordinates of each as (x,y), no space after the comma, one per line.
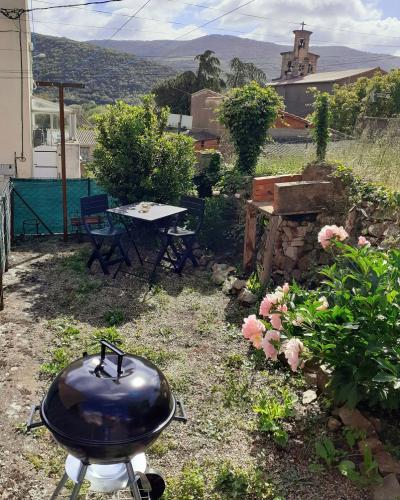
(179,54)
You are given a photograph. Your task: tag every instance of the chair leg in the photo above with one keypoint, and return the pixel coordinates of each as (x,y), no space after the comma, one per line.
(122,252)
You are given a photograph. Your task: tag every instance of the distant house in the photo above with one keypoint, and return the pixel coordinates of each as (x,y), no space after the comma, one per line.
(210,134)
(299,74)
(87,140)
(46,138)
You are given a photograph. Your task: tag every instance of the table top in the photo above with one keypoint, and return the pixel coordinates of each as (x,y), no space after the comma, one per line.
(155,211)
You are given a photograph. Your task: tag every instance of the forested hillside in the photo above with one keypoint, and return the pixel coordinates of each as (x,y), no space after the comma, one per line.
(107,74)
(179,54)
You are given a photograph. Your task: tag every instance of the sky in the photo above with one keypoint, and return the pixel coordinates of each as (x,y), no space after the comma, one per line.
(372,25)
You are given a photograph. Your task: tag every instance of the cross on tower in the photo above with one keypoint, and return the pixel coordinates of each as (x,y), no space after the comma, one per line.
(302,25)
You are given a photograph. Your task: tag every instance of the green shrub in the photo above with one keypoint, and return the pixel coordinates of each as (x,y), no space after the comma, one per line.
(222,228)
(136,160)
(357,335)
(321,120)
(248,112)
(210,171)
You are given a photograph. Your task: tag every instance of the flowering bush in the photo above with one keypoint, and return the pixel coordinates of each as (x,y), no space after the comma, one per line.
(351,324)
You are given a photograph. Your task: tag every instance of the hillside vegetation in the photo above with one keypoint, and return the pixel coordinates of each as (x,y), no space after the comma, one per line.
(107,74)
(180,54)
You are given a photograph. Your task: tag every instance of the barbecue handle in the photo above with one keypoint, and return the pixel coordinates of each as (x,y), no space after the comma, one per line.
(107,345)
(183,416)
(30,424)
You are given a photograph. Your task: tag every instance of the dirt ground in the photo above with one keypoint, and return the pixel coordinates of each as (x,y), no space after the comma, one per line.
(55,309)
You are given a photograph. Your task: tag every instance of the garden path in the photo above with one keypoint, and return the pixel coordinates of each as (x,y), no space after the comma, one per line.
(55,309)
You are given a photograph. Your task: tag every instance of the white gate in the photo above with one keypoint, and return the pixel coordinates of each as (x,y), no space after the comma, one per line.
(45,162)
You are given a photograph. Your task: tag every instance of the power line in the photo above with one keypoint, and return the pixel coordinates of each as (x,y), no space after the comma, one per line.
(215,19)
(130,18)
(70,5)
(205,7)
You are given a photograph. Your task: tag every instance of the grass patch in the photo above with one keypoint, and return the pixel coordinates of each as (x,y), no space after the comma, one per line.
(233,482)
(76,262)
(114,317)
(59,360)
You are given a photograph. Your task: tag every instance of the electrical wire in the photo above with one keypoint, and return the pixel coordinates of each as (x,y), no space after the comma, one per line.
(130,18)
(215,19)
(71,5)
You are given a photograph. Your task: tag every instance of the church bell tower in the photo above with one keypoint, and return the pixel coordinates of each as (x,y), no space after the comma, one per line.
(300,61)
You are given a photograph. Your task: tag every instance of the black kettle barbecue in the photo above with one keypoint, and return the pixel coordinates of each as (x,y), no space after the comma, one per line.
(107,409)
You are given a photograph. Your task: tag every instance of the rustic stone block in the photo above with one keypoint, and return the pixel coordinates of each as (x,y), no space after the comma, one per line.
(263,187)
(300,197)
(289,265)
(292,252)
(297,242)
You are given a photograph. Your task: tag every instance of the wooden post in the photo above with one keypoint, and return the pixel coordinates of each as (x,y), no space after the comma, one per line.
(61,87)
(269,249)
(249,236)
(63,165)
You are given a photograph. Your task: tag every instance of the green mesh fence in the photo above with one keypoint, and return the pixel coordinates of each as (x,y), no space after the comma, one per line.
(37,204)
(5,223)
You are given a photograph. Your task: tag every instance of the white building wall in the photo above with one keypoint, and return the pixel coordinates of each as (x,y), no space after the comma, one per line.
(12,141)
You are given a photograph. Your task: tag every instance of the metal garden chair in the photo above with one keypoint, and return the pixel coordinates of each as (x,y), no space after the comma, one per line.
(96,205)
(178,240)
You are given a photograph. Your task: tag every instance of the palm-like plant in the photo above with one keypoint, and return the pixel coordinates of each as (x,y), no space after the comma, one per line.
(209,71)
(243,73)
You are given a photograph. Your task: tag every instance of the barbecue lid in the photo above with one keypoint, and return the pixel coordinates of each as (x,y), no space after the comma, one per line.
(108,398)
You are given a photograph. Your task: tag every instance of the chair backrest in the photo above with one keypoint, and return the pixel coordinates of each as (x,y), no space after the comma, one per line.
(195,208)
(94,205)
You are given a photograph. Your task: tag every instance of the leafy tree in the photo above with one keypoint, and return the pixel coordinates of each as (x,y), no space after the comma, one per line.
(209,71)
(248,112)
(321,120)
(377,96)
(243,73)
(136,160)
(176,92)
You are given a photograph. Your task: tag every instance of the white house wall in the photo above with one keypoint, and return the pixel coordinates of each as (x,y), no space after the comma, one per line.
(10,91)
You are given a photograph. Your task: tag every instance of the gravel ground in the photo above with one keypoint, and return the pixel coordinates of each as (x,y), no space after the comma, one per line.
(184,324)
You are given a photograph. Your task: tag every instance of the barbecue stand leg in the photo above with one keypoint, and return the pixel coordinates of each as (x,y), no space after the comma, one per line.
(60,486)
(132,482)
(78,485)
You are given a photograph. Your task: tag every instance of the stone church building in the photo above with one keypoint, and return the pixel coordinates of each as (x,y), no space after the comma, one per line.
(299,74)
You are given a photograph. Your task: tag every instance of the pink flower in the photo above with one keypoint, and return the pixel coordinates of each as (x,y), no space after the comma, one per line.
(283,308)
(270,350)
(257,340)
(252,328)
(324,304)
(275,320)
(293,349)
(285,288)
(265,306)
(363,242)
(328,233)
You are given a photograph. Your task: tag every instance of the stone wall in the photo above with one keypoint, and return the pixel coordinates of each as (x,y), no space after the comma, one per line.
(297,252)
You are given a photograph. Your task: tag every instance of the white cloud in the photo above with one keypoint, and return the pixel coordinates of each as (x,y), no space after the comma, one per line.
(356,23)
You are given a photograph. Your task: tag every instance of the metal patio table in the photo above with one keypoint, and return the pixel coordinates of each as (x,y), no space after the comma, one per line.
(153,213)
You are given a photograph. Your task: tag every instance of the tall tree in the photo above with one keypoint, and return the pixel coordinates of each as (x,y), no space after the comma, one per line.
(176,92)
(209,71)
(243,73)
